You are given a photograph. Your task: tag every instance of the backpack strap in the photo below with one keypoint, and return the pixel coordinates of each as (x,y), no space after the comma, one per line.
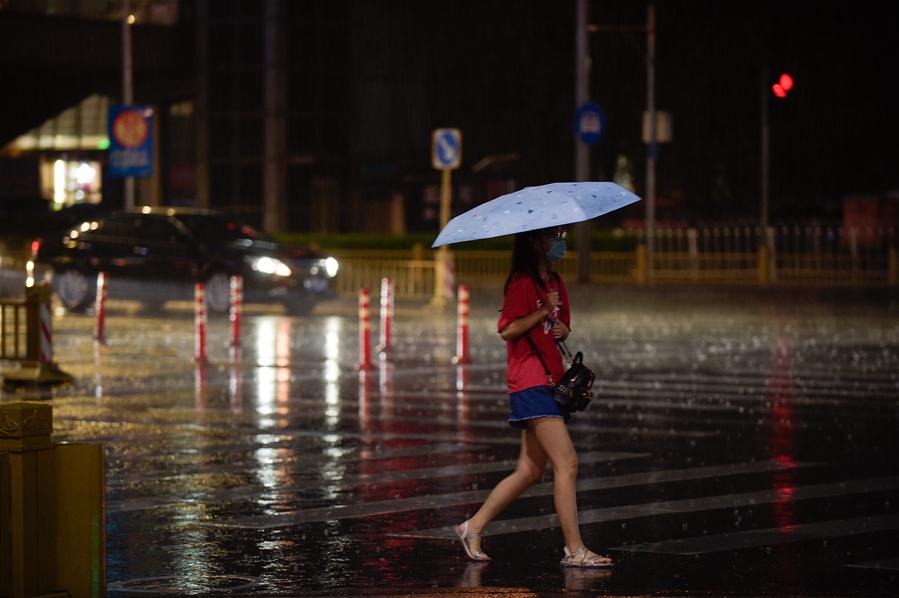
(539,355)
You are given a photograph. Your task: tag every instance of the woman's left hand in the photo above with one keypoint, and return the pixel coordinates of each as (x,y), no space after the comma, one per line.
(560,331)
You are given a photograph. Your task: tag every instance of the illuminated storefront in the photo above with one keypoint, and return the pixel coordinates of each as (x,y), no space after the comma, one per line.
(70,182)
(71,150)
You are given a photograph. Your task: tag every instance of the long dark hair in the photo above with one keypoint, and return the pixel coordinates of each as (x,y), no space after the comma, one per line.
(526,259)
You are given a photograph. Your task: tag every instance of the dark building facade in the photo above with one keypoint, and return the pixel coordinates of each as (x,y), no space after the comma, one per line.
(318,115)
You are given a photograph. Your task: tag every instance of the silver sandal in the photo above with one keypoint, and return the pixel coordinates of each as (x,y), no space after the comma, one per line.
(597,562)
(463,533)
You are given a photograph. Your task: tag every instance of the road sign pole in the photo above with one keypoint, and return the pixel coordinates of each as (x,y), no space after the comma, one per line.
(446,154)
(443,257)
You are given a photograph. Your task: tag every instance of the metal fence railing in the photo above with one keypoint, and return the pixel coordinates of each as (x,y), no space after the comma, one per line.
(811,256)
(411,271)
(783,255)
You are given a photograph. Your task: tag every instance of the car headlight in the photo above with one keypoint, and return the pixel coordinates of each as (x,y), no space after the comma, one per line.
(331,266)
(270,265)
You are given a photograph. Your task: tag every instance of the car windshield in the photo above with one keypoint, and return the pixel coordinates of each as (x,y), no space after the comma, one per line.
(208,227)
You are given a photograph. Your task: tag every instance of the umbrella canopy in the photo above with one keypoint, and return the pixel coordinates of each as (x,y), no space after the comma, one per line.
(533,208)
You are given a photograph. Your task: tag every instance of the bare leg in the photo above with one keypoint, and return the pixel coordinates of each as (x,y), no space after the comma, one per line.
(531,463)
(556,442)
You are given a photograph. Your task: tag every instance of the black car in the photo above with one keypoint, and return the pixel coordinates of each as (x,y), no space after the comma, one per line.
(157,254)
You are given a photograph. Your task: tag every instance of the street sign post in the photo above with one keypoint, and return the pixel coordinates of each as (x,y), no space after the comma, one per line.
(589,126)
(446,155)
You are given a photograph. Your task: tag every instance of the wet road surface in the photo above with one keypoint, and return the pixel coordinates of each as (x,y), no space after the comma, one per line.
(739,444)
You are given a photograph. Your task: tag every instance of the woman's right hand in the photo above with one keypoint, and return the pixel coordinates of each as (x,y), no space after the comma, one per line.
(552,301)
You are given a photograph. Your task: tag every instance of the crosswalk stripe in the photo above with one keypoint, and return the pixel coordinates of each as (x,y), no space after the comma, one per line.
(767,379)
(165,428)
(740,393)
(832,373)
(492,424)
(887,564)
(690,505)
(770,536)
(293,460)
(388,507)
(347,482)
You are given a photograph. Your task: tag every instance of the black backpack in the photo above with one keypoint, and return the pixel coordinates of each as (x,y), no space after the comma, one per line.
(575,390)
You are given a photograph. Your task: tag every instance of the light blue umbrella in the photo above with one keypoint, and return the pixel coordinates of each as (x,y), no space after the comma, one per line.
(535,207)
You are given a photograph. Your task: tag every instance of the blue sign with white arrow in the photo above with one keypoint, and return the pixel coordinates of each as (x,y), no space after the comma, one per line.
(446,149)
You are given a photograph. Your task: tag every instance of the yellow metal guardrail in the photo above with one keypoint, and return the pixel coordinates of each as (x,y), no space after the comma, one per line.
(413,271)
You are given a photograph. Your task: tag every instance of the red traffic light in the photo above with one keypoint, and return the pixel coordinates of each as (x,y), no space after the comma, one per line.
(786,82)
(783,85)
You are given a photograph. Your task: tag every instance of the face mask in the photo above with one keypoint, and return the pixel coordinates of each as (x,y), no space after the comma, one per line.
(556,250)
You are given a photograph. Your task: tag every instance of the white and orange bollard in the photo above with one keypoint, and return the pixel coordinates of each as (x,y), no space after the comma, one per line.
(235,313)
(200,323)
(100,307)
(364,330)
(46,332)
(387,304)
(462,355)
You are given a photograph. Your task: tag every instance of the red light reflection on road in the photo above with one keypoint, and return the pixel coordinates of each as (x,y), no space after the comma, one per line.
(782,442)
(364,401)
(385,388)
(463,398)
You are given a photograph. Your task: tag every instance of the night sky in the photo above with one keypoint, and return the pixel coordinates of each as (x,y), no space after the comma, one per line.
(504,73)
(834,134)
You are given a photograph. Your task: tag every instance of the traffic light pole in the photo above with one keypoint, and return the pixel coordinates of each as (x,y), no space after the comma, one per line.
(763,183)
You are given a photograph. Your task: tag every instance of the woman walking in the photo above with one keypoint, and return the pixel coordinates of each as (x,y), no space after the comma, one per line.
(535,314)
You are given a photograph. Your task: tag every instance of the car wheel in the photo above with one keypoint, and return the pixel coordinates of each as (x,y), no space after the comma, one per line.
(75,289)
(218,293)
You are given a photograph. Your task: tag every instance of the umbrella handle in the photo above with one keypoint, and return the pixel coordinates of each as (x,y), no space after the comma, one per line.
(563,348)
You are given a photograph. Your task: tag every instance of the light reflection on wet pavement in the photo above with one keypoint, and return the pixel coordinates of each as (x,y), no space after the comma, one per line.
(741,444)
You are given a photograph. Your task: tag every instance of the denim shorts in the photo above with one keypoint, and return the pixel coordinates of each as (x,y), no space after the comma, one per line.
(531,403)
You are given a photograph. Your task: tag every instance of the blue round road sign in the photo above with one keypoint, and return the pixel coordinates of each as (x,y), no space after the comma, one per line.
(589,123)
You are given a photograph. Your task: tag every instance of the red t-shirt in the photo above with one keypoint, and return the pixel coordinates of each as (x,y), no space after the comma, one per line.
(524,297)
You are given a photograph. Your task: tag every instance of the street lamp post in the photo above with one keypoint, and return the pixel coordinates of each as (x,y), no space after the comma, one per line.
(581,149)
(651,144)
(652,141)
